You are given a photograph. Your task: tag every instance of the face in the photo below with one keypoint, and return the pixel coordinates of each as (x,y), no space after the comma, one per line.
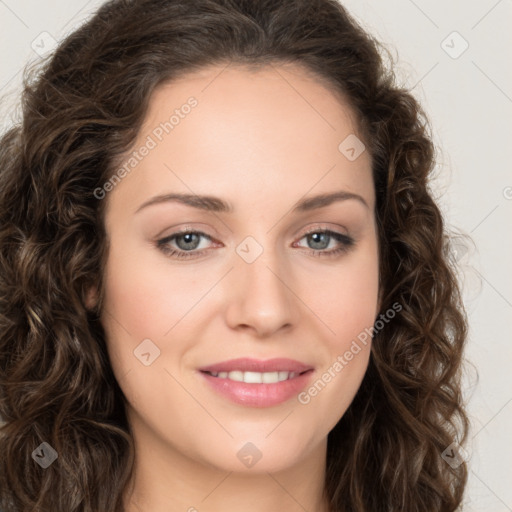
(241,330)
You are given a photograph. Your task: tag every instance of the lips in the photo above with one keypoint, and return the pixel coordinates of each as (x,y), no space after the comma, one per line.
(258,383)
(254,365)
(255,377)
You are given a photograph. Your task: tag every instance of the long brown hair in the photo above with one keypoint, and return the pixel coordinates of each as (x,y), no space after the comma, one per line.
(81,110)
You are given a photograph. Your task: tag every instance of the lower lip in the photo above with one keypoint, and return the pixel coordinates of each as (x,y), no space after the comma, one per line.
(258,395)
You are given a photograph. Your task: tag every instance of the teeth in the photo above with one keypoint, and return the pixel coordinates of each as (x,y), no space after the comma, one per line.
(255,377)
(282,376)
(270,377)
(252,377)
(236,375)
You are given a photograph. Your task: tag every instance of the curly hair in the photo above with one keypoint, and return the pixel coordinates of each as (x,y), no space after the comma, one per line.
(81,110)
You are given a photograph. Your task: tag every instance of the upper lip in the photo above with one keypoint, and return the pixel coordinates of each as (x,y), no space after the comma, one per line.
(255,365)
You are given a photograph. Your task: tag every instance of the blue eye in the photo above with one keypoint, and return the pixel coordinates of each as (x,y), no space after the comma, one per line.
(190,243)
(187,242)
(319,238)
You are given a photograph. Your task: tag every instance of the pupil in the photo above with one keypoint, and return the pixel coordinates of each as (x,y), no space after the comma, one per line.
(316,237)
(188,237)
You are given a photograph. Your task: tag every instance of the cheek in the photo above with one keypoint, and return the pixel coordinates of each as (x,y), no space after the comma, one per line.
(145,296)
(348,306)
(346,298)
(143,301)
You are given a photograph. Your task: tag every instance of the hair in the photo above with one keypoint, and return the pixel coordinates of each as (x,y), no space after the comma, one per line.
(81,110)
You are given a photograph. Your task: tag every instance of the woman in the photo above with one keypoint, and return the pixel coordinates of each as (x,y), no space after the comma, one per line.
(224,281)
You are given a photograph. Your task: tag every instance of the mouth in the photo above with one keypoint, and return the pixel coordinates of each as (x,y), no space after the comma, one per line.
(250,365)
(256,377)
(257,383)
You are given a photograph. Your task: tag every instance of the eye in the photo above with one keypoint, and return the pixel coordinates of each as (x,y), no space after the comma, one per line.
(321,240)
(187,242)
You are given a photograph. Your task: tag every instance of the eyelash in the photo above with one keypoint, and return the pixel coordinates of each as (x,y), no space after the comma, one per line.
(346,243)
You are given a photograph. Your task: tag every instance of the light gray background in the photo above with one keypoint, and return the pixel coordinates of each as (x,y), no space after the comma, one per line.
(468,98)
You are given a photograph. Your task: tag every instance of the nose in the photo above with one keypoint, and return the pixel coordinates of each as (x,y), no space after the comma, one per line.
(260,296)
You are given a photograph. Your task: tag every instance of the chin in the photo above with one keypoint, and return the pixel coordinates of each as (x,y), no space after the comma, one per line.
(258,456)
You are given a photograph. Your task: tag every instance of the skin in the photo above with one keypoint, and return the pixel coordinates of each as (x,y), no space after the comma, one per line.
(261,140)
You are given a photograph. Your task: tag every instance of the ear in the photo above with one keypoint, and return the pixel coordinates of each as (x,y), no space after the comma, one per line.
(91,297)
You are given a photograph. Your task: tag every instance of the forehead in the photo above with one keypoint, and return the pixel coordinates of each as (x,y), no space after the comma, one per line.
(276,127)
(291,91)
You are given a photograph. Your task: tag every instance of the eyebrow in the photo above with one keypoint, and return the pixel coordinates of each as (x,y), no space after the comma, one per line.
(215,204)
